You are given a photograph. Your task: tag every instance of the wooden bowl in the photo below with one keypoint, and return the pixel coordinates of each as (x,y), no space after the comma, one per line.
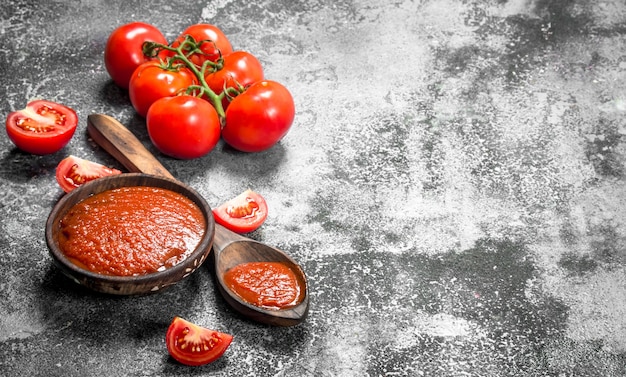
(128,285)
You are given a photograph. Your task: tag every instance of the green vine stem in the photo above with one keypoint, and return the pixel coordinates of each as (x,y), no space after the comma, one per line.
(182,52)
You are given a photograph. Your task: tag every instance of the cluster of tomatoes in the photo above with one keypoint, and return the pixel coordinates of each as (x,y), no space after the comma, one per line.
(197,89)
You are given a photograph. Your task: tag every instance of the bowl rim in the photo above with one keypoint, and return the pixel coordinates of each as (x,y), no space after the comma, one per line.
(137,179)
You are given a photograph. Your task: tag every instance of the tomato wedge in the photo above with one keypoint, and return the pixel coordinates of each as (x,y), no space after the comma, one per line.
(194,345)
(242,214)
(42,127)
(73,171)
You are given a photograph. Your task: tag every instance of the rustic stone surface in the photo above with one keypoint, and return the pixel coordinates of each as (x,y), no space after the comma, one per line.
(453,185)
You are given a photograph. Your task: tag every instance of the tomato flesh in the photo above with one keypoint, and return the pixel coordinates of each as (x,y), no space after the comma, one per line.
(42,127)
(242,214)
(194,345)
(73,171)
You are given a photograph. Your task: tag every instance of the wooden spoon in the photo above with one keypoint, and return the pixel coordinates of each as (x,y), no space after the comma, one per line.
(229,248)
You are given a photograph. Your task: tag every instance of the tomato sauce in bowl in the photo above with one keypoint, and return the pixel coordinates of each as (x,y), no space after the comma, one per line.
(152,233)
(131,231)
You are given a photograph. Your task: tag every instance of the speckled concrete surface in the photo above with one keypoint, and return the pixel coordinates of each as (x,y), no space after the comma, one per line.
(453,185)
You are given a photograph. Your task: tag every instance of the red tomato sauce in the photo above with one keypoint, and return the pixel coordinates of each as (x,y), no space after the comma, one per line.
(131,230)
(269,285)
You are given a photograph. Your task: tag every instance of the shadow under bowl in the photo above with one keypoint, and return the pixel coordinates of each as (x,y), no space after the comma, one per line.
(128,285)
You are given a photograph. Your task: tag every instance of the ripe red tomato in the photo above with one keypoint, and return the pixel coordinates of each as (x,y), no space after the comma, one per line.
(194,345)
(152,81)
(215,43)
(123,52)
(42,127)
(242,214)
(259,117)
(73,172)
(239,68)
(183,127)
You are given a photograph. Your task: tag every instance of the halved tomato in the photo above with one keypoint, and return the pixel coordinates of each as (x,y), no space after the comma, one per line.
(42,127)
(242,214)
(73,171)
(194,345)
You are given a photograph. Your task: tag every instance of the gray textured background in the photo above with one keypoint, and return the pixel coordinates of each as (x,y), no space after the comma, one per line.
(453,185)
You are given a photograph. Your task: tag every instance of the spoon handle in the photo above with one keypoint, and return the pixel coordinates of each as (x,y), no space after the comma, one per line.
(224,237)
(124,146)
